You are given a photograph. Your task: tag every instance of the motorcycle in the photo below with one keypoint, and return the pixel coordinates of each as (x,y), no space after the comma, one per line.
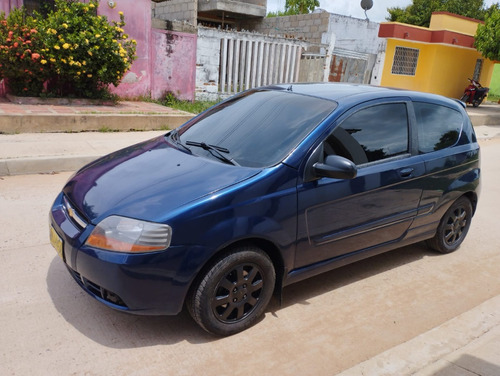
(474,93)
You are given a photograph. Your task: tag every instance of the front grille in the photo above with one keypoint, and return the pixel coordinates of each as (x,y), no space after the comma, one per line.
(96,290)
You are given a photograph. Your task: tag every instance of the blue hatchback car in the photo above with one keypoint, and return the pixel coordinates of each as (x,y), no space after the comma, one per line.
(267,188)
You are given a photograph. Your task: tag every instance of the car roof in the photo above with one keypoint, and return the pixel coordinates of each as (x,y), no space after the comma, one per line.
(351,93)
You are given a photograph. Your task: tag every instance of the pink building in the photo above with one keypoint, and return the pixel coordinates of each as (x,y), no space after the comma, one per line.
(166,60)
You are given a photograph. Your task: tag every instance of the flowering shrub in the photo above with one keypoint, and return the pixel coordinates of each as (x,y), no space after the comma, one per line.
(21,59)
(79,52)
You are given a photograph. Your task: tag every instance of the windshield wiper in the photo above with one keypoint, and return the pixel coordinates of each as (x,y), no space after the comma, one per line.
(215,150)
(174,136)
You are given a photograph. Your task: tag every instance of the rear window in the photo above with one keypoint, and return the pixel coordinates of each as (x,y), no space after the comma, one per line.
(439,127)
(259,128)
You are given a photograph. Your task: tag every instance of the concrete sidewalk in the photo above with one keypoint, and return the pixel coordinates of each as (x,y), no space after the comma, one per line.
(467,345)
(42,153)
(487,113)
(53,137)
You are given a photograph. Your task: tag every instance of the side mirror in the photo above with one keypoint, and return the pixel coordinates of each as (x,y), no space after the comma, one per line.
(335,167)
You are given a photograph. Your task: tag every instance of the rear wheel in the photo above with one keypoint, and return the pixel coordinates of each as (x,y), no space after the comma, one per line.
(477,102)
(453,227)
(234,292)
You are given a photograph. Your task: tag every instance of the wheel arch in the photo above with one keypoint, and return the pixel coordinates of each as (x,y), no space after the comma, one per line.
(268,247)
(472,196)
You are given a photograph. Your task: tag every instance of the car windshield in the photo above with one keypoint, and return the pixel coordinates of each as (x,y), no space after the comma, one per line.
(258,128)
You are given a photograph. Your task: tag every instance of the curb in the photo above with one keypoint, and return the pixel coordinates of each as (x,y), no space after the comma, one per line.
(44,165)
(12,124)
(478,120)
(435,350)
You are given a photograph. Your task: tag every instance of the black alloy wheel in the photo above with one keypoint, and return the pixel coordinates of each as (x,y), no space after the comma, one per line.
(234,292)
(453,227)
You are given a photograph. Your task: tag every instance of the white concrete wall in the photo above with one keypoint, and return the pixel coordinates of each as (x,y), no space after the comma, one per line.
(353,34)
(207,64)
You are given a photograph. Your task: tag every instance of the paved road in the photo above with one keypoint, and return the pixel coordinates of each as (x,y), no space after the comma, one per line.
(327,324)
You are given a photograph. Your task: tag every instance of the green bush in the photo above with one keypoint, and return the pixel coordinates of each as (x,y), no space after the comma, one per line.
(80,53)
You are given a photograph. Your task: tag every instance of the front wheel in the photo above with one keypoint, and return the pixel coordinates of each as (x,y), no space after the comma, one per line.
(233,292)
(453,227)
(477,102)
(464,98)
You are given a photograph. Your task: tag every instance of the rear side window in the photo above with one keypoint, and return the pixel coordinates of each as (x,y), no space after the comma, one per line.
(438,127)
(372,134)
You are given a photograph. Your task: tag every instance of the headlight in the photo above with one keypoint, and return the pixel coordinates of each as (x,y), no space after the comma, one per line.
(122,234)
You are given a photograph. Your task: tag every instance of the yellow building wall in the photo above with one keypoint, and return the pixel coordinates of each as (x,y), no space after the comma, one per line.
(453,23)
(441,69)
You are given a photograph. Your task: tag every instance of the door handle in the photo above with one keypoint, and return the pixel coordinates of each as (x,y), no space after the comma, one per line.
(406,172)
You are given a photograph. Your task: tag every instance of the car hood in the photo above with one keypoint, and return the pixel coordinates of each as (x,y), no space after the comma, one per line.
(147,181)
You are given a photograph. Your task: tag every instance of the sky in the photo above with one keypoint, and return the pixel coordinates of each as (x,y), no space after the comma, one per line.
(352,8)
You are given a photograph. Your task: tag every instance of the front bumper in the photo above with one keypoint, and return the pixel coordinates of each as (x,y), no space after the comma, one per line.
(147,283)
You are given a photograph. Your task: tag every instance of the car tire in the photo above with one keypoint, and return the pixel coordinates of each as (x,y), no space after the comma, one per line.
(233,292)
(453,227)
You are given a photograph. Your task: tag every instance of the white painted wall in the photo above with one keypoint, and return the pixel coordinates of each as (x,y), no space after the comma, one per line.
(353,34)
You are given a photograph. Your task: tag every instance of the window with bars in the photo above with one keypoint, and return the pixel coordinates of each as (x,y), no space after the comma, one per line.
(405,61)
(477,69)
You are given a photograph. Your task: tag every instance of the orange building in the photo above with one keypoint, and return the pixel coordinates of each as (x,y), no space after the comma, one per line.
(438,59)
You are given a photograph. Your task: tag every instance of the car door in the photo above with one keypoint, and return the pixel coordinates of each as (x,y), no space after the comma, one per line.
(450,153)
(340,216)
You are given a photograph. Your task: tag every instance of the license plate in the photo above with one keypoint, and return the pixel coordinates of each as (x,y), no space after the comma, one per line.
(56,242)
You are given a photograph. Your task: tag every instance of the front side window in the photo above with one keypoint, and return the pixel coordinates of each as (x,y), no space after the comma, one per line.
(438,127)
(258,128)
(372,134)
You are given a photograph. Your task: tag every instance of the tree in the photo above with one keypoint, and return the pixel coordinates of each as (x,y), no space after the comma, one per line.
(487,39)
(301,6)
(419,13)
(294,7)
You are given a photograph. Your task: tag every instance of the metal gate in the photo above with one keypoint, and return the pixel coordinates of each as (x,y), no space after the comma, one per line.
(350,66)
(248,62)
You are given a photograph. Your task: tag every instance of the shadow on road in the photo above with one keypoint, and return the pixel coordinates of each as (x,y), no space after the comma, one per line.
(470,365)
(115,329)
(112,328)
(300,292)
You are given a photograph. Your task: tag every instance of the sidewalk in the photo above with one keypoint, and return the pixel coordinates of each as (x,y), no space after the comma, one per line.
(42,153)
(467,345)
(486,114)
(52,137)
